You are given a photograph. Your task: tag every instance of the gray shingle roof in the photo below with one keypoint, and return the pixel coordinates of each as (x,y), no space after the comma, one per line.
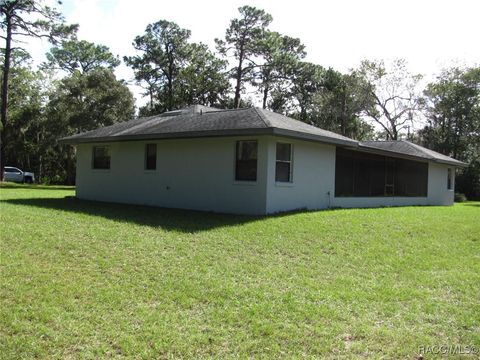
(186,124)
(201,121)
(288,126)
(410,149)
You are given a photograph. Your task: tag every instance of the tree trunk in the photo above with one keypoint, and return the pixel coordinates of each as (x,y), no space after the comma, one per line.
(238,77)
(70,166)
(6,72)
(303,112)
(150,90)
(343,120)
(394,135)
(170,94)
(265,96)
(171,65)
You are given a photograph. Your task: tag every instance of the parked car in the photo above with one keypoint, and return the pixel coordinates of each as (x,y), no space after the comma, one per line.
(14,174)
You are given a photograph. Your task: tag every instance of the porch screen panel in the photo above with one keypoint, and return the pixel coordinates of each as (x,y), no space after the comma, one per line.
(360,174)
(344,174)
(411,178)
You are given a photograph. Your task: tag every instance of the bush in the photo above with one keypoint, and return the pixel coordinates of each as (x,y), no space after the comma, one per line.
(459,197)
(56,179)
(468,180)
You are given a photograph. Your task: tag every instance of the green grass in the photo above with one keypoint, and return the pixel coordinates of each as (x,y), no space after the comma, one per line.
(93,280)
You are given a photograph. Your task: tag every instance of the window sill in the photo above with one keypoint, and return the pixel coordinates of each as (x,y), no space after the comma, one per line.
(150,171)
(245,183)
(284,184)
(101,170)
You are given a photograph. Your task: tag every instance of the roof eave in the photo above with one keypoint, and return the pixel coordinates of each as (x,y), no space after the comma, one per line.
(452,163)
(375,150)
(74,140)
(313,137)
(176,135)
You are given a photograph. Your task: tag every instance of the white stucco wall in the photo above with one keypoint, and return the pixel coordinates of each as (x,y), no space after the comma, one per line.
(313,178)
(191,174)
(438,194)
(199,174)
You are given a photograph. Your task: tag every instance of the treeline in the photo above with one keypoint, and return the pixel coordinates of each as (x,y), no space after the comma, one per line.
(251,64)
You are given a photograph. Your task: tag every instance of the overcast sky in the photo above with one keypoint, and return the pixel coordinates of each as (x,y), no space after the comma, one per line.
(430,35)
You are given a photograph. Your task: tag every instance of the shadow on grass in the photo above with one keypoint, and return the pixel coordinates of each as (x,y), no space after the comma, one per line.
(10,185)
(473,203)
(186,221)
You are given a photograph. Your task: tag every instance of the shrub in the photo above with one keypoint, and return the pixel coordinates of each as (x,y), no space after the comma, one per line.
(459,197)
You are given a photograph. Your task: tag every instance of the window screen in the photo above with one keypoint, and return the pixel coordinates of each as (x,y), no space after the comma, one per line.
(367,175)
(283,169)
(101,157)
(246,160)
(150,156)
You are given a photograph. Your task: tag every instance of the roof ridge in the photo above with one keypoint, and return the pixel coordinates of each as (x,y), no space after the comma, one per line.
(225,110)
(151,122)
(191,106)
(381,141)
(419,148)
(424,149)
(262,117)
(300,122)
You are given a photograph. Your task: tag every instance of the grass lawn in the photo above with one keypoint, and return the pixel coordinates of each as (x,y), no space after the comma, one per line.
(81,279)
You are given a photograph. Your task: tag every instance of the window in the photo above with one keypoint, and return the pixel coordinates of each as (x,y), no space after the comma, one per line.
(12,170)
(362,174)
(150,156)
(246,160)
(283,167)
(449,179)
(101,157)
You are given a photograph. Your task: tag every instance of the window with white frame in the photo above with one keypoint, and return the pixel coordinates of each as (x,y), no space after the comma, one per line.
(283,167)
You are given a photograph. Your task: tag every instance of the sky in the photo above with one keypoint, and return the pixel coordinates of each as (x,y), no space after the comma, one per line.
(430,35)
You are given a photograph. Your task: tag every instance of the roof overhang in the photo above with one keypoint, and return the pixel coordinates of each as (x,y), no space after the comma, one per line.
(374,150)
(75,140)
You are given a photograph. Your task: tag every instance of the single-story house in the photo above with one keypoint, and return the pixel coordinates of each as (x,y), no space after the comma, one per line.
(253,161)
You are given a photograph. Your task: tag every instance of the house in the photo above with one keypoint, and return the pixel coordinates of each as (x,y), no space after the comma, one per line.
(253,161)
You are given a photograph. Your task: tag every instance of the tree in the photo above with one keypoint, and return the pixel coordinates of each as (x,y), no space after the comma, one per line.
(281,55)
(397,101)
(16,23)
(453,122)
(306,80)
(164,50)
(175,72)
(26,103)
(338,105)
(83,56)
(242,40)
(203,80)
(83,102)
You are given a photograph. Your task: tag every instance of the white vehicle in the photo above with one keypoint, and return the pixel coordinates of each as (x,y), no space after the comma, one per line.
(14,174)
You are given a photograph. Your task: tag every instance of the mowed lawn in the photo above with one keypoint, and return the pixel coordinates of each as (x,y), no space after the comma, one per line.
(93,280)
